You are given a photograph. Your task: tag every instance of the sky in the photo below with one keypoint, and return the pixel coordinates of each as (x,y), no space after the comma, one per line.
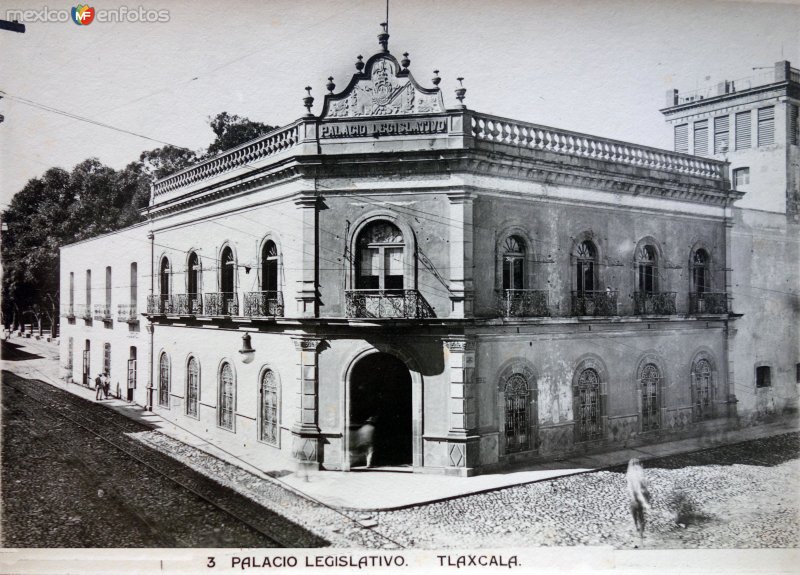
(601,67)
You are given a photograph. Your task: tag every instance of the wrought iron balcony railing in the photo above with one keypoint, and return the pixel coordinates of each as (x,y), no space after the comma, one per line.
(187,304)
(654,303)
(102,312)
(375,303)
(263,304)
(68,311)
(220,303)
(708,303)
(523,303)
(594,303)
(158,304)
(127,312)
(84,311)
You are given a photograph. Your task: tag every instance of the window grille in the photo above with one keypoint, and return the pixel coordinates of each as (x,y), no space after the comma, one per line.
(107,358)
(269,408)
(517,414)
(702,390)
(132,373)
(70,344)
(721,126)
(163,381)
(682,138)
(743,130)
(513,263)
(589,407)
(701,138)
(192,387)
(766,126)
(226,396)
(741,177)
(763,376)
(651,409)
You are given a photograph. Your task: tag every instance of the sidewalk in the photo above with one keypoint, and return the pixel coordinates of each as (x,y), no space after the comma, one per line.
(379,490)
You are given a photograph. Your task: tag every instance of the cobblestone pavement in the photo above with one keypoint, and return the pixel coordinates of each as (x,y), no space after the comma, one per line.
(739,496)
(63,485)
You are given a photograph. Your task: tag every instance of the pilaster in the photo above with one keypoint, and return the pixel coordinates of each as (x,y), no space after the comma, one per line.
(461,258)
(305,430)
(462,439)
(306,293)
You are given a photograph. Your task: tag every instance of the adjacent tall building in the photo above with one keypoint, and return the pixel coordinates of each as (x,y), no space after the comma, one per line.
(489,291)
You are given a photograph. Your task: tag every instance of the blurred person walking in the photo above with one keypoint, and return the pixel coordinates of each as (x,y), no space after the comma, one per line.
(639,494)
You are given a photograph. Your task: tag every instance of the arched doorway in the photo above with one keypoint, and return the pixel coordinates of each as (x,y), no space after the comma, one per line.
(380,388)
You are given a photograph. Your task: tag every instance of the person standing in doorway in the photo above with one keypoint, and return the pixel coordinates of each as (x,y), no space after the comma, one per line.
(639,494)
(366,439)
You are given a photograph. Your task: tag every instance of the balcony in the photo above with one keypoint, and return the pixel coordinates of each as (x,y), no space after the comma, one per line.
(187,304)
(594,303)
(220,304)
(159,304)
(127,312)
(102,312)
(708,303)
(523,303)
(375,303)
(263,304)
(68,311)
(654,303)
(84,311)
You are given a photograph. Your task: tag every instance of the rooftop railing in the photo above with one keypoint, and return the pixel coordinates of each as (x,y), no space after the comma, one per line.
(268,145)
(534,137)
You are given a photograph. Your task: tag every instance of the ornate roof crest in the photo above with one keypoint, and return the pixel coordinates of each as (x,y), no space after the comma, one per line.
(382,87)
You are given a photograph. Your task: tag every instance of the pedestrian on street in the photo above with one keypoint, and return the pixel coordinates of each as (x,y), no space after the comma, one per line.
(365,439)
(106,384)
(639,493)
(98,386)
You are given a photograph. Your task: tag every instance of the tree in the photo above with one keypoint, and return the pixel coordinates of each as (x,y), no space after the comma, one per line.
(232,131)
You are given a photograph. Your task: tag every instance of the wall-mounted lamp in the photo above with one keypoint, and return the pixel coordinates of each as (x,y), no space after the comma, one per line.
(247,350)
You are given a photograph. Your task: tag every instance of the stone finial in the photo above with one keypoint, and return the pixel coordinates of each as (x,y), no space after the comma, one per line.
(405,62)
(308,101)
(360,63)
(461,91)
(383,37)
(436,79)
(330,85)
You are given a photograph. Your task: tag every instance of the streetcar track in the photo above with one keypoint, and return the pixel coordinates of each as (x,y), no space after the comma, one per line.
(278,540)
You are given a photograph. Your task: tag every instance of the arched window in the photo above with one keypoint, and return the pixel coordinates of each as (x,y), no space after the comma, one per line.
(701,276)
(589,406)
(163,278)
(269,267)
(647,266)
(517,399)
(227,283)
(702,390)
(513,263)
(268,391)
(192,387)
(586,267)
(649,381)
(193,283)
(163,380)
(227,396)
(380,261)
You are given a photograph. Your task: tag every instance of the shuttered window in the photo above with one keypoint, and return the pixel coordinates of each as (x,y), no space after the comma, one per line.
(701,138)
(794,124)
(682,138)
(721,126)
(743,130)
(766,126)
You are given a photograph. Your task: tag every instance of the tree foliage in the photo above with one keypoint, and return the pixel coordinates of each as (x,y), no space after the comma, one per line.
(61,207)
